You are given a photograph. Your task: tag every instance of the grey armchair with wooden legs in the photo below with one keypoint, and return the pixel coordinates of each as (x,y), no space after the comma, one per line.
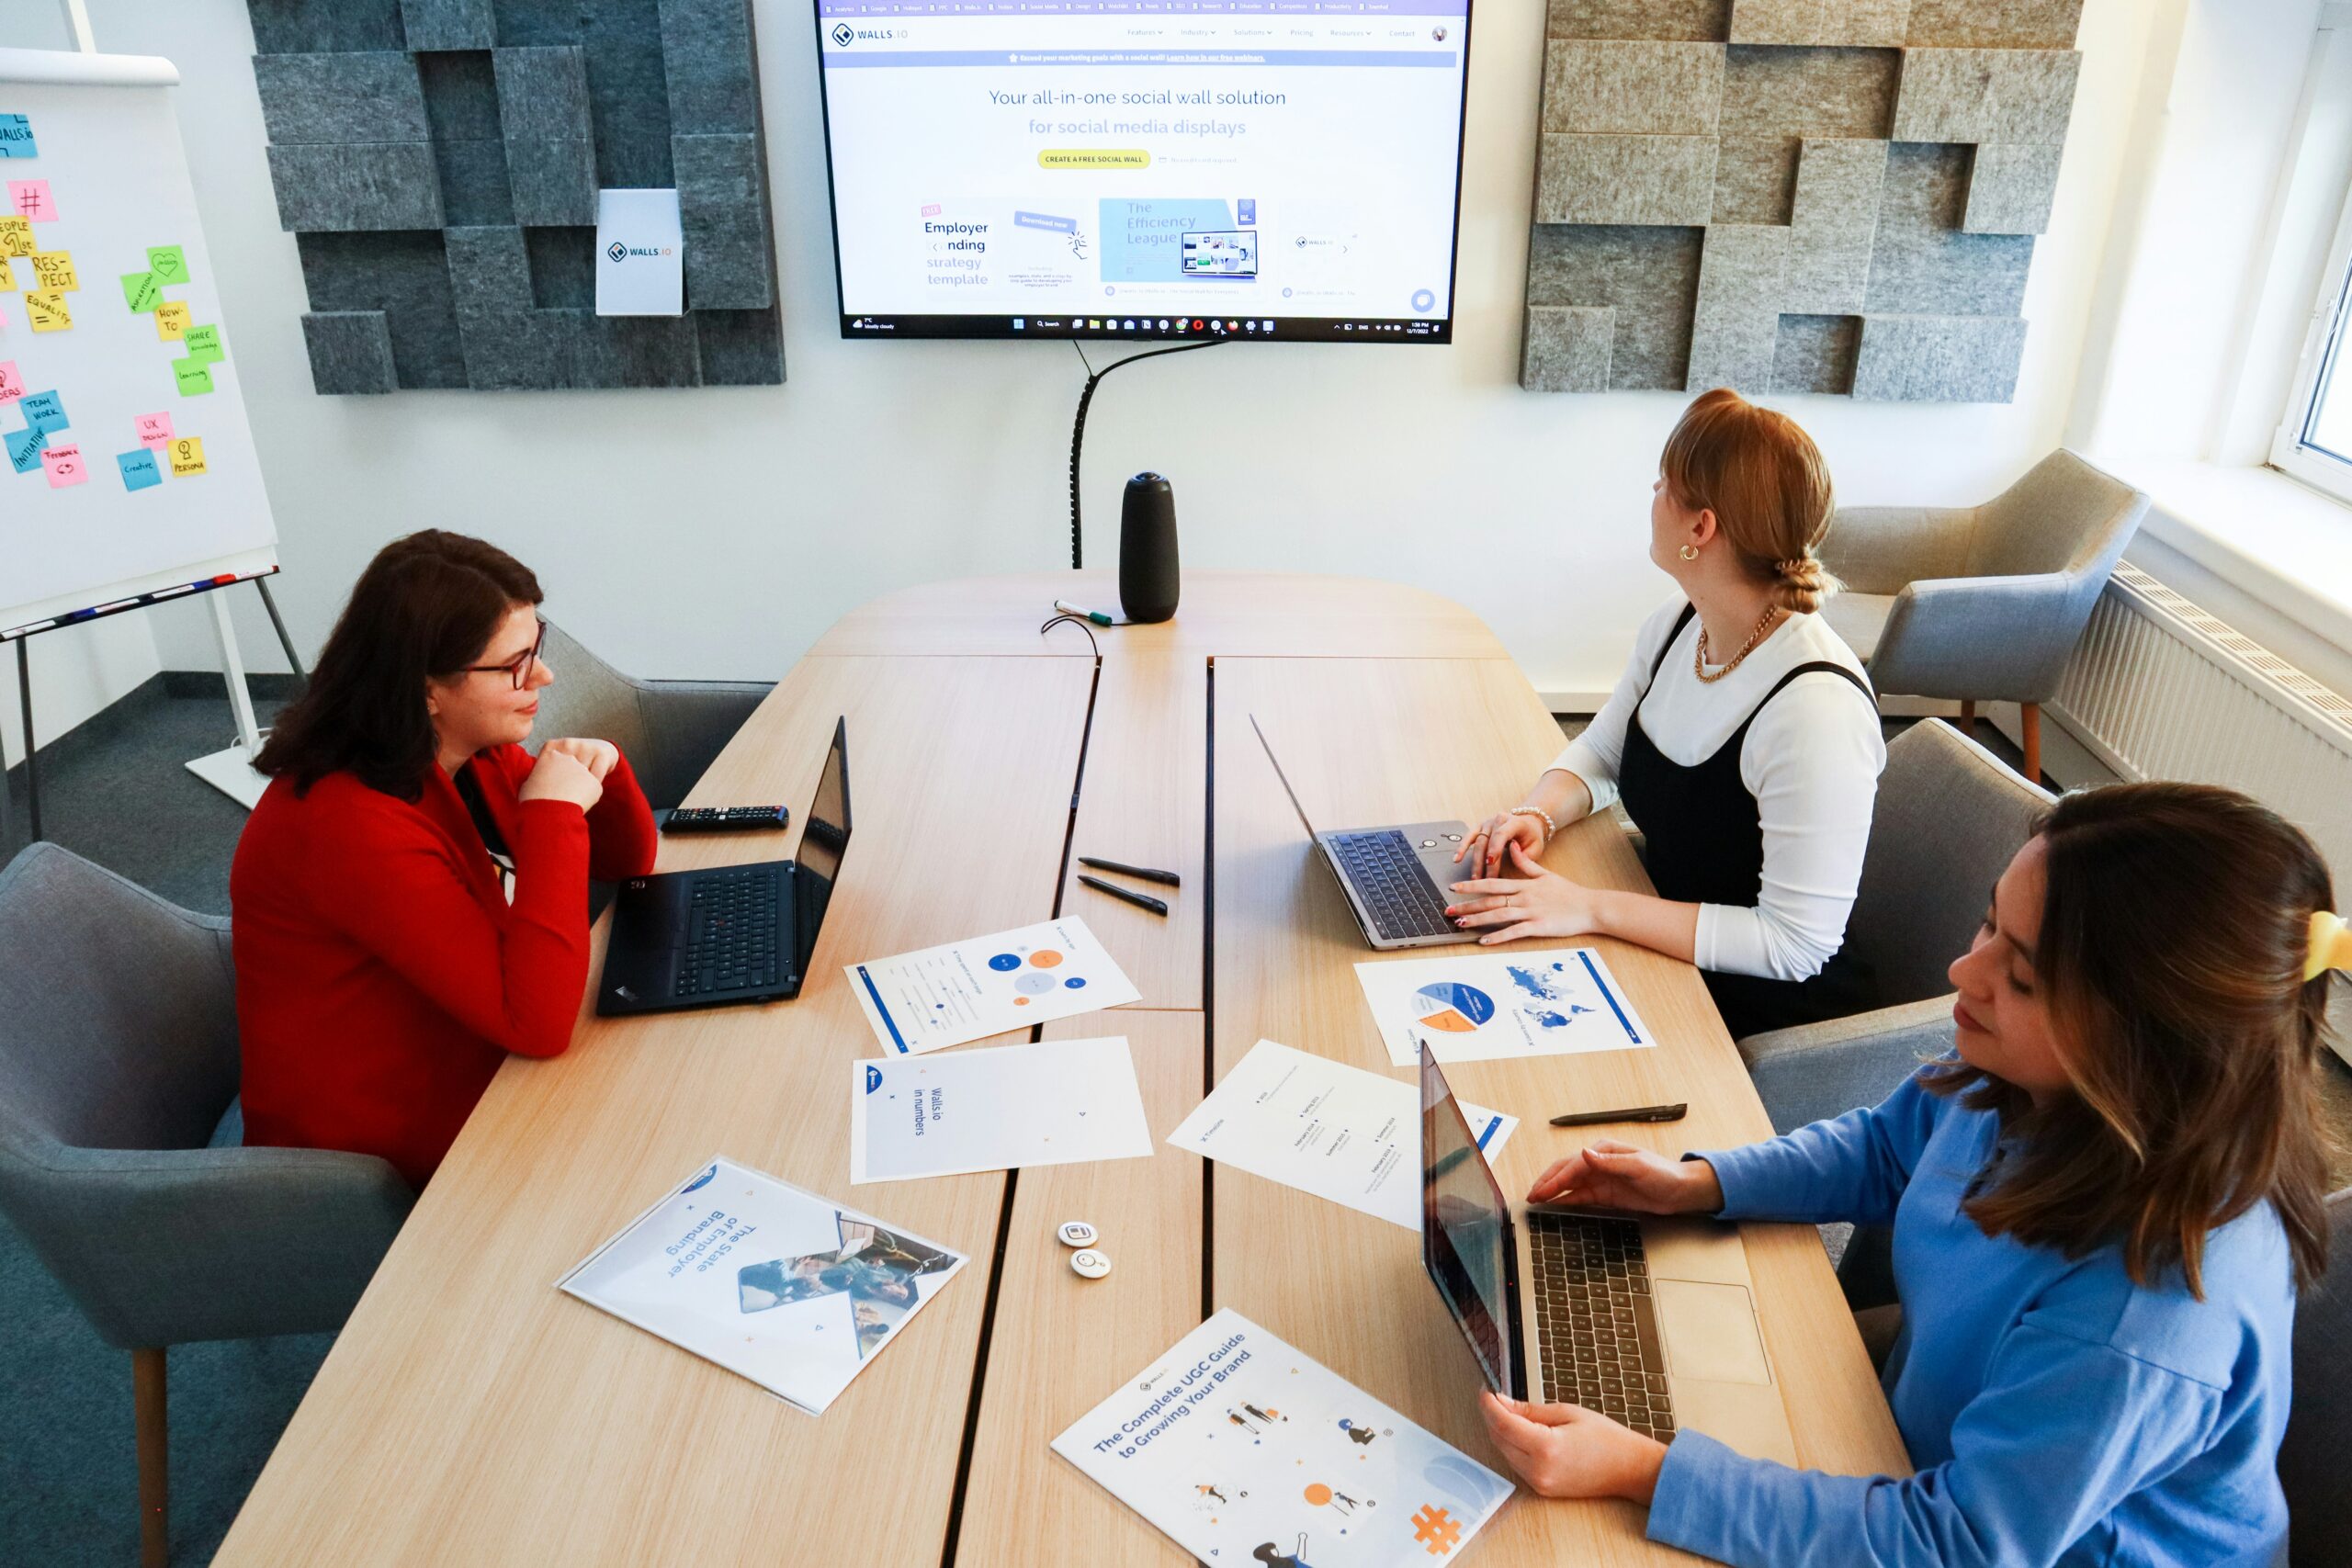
(1981,604)
(670,730)
(117,1060)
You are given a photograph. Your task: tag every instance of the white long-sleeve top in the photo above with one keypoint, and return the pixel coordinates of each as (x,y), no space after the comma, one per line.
(1812,760)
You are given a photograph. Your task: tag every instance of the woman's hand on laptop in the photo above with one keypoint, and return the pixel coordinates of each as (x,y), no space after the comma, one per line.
(1565,1451)
(1606,1174)
(1535,902)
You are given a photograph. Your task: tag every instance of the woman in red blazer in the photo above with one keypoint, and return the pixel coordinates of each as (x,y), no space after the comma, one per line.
(411,896)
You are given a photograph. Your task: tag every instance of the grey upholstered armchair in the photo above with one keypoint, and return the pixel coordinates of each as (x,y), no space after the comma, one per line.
(1949,817)
(2319,1431)
(117,1061)
(670,730)
(1982,602)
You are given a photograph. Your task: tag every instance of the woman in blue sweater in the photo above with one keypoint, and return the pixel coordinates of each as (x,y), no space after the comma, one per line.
(2103,1205)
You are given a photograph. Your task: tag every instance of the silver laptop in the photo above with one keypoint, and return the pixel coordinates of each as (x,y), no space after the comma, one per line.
(1395,879)
(1650,1321)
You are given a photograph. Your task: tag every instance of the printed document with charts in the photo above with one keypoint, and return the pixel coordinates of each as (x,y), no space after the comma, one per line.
(1243,1451)
(1478,1006)
(775,1284)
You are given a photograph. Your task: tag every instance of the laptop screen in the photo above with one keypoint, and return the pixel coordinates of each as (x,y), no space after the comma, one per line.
(1465,1229)
(823,837)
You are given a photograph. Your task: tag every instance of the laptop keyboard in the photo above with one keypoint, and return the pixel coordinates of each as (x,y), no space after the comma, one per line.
(1388,875)
(1596,1321)
(730,931)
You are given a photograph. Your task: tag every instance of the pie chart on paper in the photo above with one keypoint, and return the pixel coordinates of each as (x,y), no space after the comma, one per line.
(1455,1008)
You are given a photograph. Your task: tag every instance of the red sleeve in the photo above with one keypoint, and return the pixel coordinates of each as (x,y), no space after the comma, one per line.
(622,840)
(399,896)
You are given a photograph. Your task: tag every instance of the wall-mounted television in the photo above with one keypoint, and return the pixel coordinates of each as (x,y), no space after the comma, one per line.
(1145,169)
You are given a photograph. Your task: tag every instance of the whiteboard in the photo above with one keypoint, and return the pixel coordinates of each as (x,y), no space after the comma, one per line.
(107,144)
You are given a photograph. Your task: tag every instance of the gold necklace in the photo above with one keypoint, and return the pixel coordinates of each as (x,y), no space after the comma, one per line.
(1699,654)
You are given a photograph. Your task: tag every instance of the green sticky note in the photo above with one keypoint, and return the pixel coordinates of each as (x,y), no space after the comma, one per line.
(166,262)
(140,292)
(193,377)
(203,345)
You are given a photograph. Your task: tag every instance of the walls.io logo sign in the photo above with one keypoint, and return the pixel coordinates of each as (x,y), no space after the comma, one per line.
(616,250)
(842,34)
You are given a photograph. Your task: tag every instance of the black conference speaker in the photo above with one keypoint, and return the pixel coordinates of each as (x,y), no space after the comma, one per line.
(1148,569)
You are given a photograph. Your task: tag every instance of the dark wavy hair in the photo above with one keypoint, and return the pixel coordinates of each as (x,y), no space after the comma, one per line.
(2174,932)
(426,607)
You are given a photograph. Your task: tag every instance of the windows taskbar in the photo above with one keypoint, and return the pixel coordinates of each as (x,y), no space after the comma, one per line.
(1157,328)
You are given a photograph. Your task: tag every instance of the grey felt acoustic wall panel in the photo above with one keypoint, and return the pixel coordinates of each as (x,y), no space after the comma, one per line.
(1820,196)
(439,162)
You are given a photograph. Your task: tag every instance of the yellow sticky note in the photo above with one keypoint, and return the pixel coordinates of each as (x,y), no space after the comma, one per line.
(171,320)
(187,453)
(8,275)
(53,270)
(16,237)
(48,313)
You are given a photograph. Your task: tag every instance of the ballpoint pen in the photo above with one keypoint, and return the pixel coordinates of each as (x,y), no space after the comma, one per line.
(1635,1114)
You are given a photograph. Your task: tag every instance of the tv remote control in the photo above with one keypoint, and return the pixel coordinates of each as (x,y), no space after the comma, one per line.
(725,818)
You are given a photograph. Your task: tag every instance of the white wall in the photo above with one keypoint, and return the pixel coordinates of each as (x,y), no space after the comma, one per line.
(718,532)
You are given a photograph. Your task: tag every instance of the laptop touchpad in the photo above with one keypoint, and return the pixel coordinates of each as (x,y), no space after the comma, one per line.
(1711,1332)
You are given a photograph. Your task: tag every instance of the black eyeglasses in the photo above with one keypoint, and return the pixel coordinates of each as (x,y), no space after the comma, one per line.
(515,670)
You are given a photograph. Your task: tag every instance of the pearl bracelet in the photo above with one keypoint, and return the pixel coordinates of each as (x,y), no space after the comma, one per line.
(1551,829)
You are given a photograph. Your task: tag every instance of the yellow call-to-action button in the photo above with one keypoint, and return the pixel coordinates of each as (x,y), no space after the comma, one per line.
(1093,158)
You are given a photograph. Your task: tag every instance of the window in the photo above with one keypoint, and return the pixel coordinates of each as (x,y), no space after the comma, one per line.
(2314,442)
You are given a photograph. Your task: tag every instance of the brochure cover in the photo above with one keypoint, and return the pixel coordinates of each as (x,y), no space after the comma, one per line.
(959,991)
(775,1284)
(1244,1451)
(997,1108)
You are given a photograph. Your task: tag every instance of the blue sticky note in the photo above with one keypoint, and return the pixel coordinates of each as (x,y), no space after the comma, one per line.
(139,470)
(17,137)
(24,449)
(44,410)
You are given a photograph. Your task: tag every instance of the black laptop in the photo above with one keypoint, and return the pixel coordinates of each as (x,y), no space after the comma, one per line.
(729,934)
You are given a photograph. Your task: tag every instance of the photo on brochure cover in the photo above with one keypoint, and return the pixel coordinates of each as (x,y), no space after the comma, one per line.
(874,1269)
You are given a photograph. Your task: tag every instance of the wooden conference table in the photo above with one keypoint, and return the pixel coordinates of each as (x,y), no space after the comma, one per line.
(470,1414)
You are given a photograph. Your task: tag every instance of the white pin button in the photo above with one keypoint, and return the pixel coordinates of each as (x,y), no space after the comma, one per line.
(1077,1232)
(1091,1264)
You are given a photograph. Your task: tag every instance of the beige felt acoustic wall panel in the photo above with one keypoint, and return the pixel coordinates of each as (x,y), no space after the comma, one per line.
(1793,195)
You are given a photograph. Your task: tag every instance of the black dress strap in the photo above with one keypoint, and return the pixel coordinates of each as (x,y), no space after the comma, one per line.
(1815,667)
(1658,663)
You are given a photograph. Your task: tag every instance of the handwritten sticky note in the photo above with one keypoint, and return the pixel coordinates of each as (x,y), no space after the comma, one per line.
(24,449)
(17,236)
(7,274)
(48,313)
(63,466)
(187,454)
(53,270)
(203,345)
(166,262)
(171,320)
(45,411)
(17,137)
(12,381)
(31,199)
(140,292)
(154,429)
(140,469)
(192,376)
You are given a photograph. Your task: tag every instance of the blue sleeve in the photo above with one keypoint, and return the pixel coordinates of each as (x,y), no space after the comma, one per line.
(1852,1169)
(2062,1431)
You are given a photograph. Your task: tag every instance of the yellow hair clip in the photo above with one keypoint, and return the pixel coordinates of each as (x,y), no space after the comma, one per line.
(2331,945)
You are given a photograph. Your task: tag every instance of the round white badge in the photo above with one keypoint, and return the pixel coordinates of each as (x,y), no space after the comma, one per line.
(1077,1232)
(1091,1264)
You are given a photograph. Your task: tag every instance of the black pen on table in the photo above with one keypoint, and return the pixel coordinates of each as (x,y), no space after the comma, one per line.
(1634,1113)
(1141,900)
(1145,872)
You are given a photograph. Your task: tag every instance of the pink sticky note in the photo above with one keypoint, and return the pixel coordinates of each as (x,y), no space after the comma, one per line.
(63,466)
(154,431)
(30,199)
(12,382)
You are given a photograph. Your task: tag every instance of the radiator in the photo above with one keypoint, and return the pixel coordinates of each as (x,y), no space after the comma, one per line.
(2159,689)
